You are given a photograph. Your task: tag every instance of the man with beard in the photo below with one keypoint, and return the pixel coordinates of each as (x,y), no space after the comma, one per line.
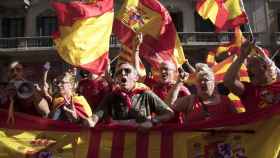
(264,89)
(131,103)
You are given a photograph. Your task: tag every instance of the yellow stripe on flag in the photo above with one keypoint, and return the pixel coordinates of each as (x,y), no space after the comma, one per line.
(209,9)
(154,145)
(130,145)
(105,145)
(178,52)
(87,41)
(234,8)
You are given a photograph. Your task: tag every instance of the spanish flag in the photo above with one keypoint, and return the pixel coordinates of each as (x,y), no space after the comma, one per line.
(214,10)
(237,14)
(160,40)
(224,14)
(84,33)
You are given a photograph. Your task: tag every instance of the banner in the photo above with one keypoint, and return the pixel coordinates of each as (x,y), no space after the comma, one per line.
(245,135)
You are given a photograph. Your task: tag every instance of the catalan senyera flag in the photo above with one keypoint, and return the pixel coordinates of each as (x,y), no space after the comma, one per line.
(160,40)
(224,14)
(230,135)
(84,33)
(232,48)
(214,10)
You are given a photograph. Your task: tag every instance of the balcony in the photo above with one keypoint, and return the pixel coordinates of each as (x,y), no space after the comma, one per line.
(189,39)
(276,38)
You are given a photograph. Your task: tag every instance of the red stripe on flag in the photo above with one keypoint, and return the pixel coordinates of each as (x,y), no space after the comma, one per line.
(239,20)
(99,65)
(222,14)
(124,34)
(118,144)
(142,145)
(199,3)
(166,146)
(95,139)
(87,10)
(69,13)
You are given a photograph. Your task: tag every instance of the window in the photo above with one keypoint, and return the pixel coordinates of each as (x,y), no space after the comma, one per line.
(46,25)
(13,27)
(177,18)
(202,25)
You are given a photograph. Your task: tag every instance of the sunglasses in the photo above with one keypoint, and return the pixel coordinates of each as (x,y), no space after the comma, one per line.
(125,70)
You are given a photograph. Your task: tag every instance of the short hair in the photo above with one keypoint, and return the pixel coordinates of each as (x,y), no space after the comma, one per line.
(169,63)
(203,69)
(14,64)
(271,68)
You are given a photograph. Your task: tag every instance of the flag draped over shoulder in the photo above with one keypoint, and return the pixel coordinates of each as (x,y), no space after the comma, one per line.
(160,41)
(84,33)
(224,14)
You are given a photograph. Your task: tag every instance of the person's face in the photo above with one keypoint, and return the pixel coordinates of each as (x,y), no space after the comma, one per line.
(205,85)
(126,76)
(256,71)
(65,88)
(167,73)
(16,72)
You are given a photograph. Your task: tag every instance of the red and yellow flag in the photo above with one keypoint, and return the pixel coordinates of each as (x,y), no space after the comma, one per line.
(214,10)
(160,40)
(237,14)
(224,14)
(84,33)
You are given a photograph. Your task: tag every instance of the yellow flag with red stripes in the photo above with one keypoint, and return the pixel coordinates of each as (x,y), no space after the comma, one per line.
(84,33)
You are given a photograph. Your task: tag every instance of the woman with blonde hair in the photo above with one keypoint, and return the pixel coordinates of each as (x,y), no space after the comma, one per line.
(68,106)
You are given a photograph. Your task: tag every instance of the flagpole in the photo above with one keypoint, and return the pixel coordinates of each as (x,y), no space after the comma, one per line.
(250,28)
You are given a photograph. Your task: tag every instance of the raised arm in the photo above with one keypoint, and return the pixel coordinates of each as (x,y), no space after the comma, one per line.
(231,80)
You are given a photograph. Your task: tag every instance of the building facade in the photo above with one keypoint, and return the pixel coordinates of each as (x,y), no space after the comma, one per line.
(26,27)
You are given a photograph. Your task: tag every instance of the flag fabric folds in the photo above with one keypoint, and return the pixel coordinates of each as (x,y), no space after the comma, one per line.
(214,10)
(224,14)
(229,135)
(237,14)
(160,40)
(84,33)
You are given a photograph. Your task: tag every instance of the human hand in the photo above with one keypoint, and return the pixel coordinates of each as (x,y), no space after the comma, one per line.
(183,75)
(47,66)
(246,49)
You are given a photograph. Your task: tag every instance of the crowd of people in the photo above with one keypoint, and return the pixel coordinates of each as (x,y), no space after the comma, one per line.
(125,98)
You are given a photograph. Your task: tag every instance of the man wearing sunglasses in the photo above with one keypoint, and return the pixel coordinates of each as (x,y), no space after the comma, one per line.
(131,103)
